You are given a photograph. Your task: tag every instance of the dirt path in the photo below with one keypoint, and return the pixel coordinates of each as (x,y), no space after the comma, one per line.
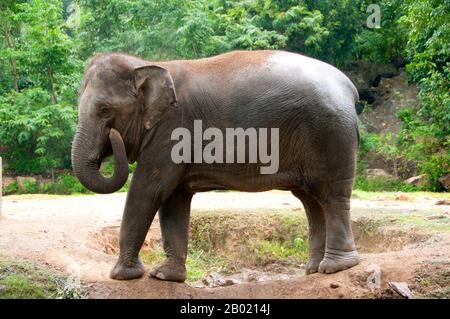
(58,231)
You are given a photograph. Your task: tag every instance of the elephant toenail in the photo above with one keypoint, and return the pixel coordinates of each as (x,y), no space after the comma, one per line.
(160,275)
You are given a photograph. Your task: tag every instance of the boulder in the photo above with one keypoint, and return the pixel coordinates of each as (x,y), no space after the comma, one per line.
(376,173)
(366,76)
(401,288)
(401,197)
(445,181)
(443,202)
(419,180)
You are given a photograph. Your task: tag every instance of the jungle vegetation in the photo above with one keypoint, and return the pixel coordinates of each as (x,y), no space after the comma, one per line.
(45,45)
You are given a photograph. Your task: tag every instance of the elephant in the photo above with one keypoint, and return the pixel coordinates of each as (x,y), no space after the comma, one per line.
(129,108)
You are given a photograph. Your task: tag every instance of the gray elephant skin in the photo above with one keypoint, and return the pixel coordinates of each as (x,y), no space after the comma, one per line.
(129,107)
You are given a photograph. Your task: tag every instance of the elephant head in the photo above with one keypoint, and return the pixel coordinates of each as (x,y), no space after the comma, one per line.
(120,99)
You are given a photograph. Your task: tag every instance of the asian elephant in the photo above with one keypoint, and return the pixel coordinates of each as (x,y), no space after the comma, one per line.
(129,108)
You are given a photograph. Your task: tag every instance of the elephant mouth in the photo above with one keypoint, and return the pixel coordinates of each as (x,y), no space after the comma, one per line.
(103,154)
(107,151)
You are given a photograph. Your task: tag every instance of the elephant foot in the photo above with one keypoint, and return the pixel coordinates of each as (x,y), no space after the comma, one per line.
(336,260)
(312,266)
(170,270)
(127,270)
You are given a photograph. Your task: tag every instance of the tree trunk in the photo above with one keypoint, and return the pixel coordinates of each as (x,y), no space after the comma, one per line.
(10,45)
(52,85)
(395,168)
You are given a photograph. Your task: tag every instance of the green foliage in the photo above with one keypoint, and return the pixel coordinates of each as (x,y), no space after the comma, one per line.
(65,185)
(44,46)
(35,134)
(424,146)
(387,43)
(426,133)
(30,187)
(12,188)
(436,166)
(367,141)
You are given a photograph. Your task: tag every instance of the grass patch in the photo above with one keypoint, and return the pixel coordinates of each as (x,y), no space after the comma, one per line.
(391,195)
(382,184)
(225,241)
(290,252)
(422,222)
(433,280)
(152,257)
(23,280)
(366,226)
(249,238)
(198,263)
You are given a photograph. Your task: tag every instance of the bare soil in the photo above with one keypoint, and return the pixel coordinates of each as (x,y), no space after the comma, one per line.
(78,235)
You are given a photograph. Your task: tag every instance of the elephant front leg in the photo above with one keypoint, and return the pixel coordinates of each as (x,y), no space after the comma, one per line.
(141,205)
(174,221)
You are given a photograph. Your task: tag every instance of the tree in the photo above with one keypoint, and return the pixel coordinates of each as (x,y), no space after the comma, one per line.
(8,52)
(426,132)
(44,46)
(35,134)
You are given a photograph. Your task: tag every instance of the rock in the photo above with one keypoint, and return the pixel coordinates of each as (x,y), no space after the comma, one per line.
(374,173)
(216,280)
(419,180)
(226,282)
(366,76)
(443,202)
(209,280)
(2,288)
(334,285)
(402,289)
(433,217)
(445,181)
(401,197)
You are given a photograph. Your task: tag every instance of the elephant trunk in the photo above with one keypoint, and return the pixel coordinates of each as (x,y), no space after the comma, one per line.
(85,163)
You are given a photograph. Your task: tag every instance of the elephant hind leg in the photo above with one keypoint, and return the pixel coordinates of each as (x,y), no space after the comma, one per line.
(174,221)
(317,230)
(340,250)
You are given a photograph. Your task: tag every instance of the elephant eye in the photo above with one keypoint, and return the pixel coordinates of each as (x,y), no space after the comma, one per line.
(104,110)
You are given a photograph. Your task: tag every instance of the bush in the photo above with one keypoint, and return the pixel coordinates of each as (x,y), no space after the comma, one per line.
(29,187)
(12,188)
(436,166)
(65,185)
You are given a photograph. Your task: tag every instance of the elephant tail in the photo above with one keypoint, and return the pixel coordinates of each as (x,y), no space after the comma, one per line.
(358,136)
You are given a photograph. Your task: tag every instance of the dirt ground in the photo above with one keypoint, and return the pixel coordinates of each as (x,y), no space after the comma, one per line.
(59,232)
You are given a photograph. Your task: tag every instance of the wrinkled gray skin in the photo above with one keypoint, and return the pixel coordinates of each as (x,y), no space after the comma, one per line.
(129,107)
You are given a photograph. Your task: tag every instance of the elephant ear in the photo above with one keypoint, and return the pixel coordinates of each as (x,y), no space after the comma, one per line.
(158,91)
